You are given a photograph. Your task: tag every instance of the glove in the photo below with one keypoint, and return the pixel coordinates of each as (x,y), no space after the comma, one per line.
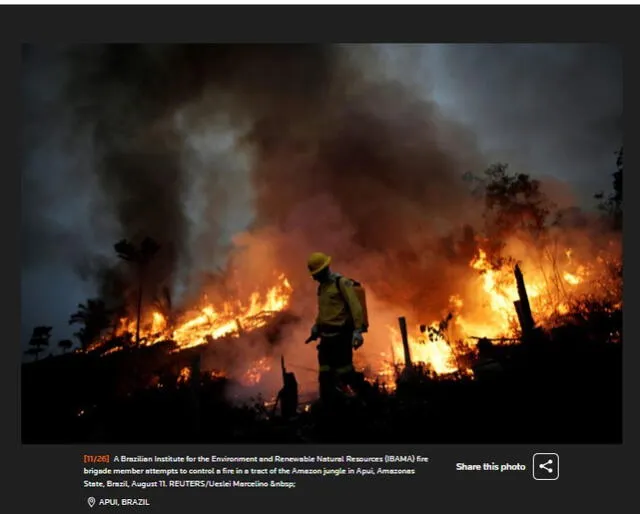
(315,333)
(357,340)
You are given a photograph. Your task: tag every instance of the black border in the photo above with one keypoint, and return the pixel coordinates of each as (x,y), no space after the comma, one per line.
(593,478)
(316,23)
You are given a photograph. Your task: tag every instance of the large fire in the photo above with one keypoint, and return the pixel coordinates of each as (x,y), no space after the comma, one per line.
(491,313)
(211,322)
(485,309)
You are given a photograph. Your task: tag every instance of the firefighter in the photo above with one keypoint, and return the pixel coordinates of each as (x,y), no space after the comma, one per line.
(340,323)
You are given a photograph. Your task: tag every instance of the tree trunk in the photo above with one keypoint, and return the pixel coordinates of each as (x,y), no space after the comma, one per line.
(139,308)
(523,308)
(405,342)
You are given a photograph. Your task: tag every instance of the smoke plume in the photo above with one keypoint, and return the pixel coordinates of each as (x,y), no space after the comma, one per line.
(320,137)
(182,141)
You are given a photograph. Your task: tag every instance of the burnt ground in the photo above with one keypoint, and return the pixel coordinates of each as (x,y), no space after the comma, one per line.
(561,389)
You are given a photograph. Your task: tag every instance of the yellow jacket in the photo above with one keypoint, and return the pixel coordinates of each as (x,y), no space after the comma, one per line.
(335,309)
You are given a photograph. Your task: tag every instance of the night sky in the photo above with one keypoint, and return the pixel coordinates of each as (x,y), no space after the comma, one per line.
(554,111)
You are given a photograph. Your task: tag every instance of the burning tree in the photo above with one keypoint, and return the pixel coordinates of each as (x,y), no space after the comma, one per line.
(39,339)
(514,204)
(567,260)
(141,257)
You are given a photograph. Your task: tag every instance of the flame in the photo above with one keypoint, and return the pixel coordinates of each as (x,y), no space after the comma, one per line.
(159,323)
(434,352)
(483,309)
(212,322)
(233,319)
(184,376)
(489,312)
(571,279)
(254,374)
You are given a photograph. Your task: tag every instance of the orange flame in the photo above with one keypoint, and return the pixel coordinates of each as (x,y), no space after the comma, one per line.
(184,376)
(256,371)
(485,308)
(489,312)
(232,320)
(211,323)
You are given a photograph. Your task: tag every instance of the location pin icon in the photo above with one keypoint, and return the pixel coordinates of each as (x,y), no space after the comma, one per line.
(91,501)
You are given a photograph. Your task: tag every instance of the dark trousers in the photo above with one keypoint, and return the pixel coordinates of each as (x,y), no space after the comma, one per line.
(336,371)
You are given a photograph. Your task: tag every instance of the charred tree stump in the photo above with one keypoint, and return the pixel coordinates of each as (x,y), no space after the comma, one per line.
(521,321)
(288,395)
(522,306)
(405,342)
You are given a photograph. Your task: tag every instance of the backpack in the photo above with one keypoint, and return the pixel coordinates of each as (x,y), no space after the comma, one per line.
(362,297)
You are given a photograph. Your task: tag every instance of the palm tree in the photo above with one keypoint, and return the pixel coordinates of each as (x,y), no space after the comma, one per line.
(39,339)
(65,344)
(141,257)
(164,305)
(94,318)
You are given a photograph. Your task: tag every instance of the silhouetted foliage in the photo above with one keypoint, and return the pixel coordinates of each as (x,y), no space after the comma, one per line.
(514,203)
(65,344)
(39,339)
(140,255)
(612,206)
(34,352)
(94,317)
(126,250)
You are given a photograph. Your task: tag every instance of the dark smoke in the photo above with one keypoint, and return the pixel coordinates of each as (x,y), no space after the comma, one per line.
(128,97)
(376,156)
(549,109)
(362,169)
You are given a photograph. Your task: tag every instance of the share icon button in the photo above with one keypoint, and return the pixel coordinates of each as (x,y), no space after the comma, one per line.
(546,466)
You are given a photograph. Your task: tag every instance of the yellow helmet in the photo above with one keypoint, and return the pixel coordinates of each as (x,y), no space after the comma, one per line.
(317,262)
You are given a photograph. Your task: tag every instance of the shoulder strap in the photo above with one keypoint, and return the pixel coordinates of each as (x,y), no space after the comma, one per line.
(354,283)
(341,292)
(337,281)
(342,295)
